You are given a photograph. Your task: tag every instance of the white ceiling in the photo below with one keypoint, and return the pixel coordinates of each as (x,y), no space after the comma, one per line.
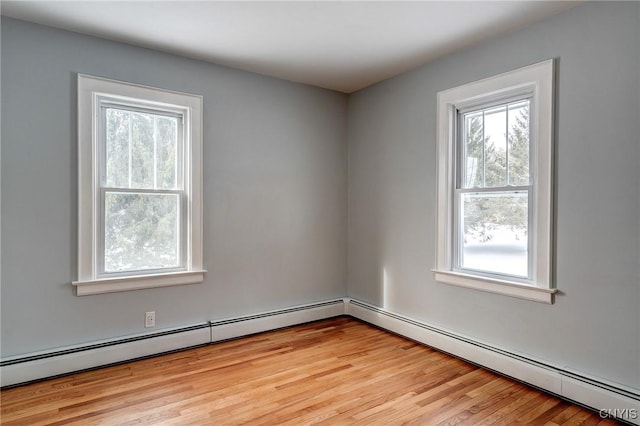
(340,45)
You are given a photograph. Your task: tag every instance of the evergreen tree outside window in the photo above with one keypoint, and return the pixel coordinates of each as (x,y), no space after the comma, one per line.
(492,194)
(141,190)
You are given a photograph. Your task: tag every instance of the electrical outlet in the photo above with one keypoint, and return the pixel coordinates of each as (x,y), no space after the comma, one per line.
(150,319)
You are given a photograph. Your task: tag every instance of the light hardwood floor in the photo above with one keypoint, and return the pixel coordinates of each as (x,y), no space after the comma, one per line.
(337,371)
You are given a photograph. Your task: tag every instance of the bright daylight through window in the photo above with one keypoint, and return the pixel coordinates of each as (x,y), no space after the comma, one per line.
(495,183)
(139,187)
(492,194)
(141,190)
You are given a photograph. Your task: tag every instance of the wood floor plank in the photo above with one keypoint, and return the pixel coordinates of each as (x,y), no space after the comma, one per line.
(337,371)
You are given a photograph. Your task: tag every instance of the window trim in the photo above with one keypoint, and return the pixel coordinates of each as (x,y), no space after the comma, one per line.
(91,91)
(536,80)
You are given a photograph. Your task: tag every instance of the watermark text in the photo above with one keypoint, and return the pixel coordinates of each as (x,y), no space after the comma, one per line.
(619,413)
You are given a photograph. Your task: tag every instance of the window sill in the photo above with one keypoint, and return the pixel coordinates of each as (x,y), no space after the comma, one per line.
(506,288)
(139,282)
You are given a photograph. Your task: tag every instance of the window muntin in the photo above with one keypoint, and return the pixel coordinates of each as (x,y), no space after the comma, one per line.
(492,193)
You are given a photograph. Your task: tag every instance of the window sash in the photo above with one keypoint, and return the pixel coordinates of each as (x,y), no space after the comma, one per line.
(460,139)
(106,103)
(460,188)
(458,233)
(181,233)
(130,106)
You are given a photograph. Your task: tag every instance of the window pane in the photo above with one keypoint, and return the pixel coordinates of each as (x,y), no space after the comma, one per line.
(519,143)
(487,161)
(494,232)
(117,148)
(141,150)
(473,159)
(141,231)
(166,152)
(495,147)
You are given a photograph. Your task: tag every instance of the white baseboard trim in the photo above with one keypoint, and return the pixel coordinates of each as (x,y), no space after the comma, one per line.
(252,324)
(41,365)
(618,401)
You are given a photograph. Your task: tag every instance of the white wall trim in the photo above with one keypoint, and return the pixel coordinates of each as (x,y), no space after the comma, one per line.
(37,366)
(535,81)
(252,324)
(138,282)
(93,92)
(590,391)
(520,291)
(45,364)
(576,386)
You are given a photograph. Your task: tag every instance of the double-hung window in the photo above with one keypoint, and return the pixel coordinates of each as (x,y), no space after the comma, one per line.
(495,174)
(139,151)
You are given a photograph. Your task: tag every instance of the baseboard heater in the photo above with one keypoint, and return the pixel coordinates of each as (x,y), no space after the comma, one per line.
(25,369)
(21,370)
(611,400)
(617,400)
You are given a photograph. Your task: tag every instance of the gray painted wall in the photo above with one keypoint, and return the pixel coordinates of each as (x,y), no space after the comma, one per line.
(276,193)
(594,326)
(274,184)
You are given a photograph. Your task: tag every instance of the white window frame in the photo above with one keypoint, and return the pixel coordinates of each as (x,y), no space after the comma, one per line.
(92,93)
(535,81)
